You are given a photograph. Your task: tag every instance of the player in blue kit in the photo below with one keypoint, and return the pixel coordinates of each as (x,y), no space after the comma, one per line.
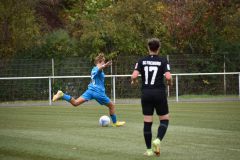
(96,90)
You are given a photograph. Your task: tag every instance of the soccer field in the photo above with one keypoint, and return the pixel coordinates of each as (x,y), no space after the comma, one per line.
(197,131)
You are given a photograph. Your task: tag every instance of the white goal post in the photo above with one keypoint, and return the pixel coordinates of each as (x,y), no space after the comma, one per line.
(176,76)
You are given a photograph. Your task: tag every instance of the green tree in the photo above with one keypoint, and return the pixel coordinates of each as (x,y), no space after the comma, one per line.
(57,44)
(18,26)
(118,27)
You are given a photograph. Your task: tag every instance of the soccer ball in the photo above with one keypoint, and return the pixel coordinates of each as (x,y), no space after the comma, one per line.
(104,121)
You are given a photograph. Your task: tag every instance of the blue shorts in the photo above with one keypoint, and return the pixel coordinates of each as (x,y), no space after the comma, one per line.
(101,98)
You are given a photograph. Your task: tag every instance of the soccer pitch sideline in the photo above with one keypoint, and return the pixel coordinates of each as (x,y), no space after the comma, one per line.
(197,131)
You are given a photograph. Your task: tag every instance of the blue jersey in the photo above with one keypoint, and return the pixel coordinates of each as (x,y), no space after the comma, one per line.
(97,80)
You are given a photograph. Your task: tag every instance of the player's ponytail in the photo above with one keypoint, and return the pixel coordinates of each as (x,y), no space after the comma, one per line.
(99,58)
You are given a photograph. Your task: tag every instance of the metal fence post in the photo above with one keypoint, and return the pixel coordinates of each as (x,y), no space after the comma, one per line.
(114,89)
(168,88)
(111,81)
(50,92)
(53,71)
(176,87)
(50,83)
(52,67)
(239,85)
(224,76)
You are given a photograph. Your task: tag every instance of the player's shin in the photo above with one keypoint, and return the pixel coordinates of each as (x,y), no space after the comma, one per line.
(162,128)
(147,132)
(67,97)
(114,118)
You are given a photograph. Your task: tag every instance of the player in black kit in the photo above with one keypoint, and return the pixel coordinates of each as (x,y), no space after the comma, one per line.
(153,70)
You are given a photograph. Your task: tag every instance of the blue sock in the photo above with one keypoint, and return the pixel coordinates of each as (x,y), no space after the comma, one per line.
(67,97)
(114,118)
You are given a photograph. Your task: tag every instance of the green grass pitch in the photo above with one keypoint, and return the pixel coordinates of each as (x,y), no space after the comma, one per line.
(197,131)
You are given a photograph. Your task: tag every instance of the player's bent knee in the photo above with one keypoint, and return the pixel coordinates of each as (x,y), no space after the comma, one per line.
(164,117)
(75,104)
(148,118)
(78,102)
(110,105)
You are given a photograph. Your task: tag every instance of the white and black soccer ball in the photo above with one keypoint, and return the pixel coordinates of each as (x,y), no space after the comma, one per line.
(104,121)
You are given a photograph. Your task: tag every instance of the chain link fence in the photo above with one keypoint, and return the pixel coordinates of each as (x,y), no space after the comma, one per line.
(38,89)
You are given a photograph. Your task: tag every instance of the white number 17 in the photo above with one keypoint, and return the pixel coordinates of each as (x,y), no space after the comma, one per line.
(148,69)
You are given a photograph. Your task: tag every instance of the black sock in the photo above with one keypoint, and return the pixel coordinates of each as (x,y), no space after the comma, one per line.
(147,131)
(162,128)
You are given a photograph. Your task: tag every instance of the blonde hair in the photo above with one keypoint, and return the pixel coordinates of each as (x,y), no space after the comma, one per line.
(99,58)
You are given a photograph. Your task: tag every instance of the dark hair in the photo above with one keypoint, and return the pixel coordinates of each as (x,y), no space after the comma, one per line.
(154,44)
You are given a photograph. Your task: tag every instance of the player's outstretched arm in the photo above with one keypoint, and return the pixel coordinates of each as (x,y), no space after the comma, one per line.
(109,63)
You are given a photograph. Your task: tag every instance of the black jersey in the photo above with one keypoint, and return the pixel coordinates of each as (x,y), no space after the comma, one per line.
(152,69)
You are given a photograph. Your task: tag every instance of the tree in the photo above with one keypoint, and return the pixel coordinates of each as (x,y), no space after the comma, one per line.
(202,27)
(119,27)
(18,26)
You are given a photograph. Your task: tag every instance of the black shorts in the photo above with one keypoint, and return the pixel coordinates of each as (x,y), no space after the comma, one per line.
(154,99)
